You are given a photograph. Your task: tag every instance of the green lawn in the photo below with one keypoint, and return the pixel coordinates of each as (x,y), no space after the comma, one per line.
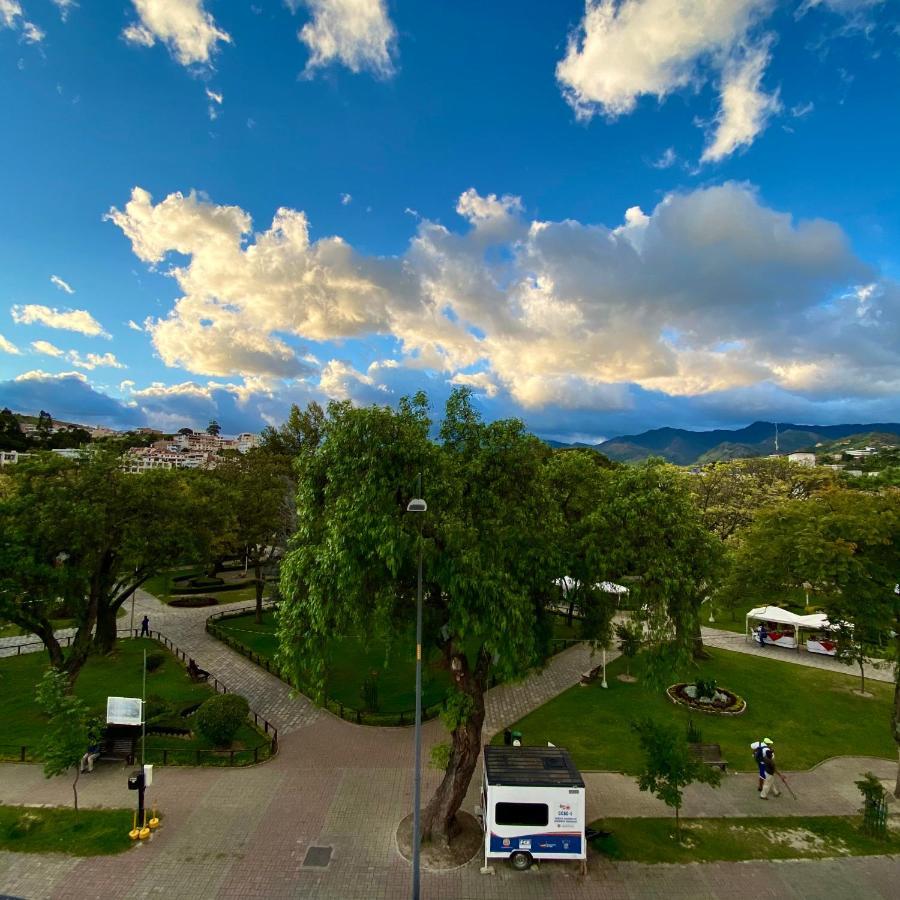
(810,713)
(7,629)
(30,829)
(352,660)
(708,840)
(119,674)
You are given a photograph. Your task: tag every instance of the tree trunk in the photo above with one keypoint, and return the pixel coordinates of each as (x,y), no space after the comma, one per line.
(44,630)
(439,817)
(571,613)
(698,651)
(677,825)
(105,635)
(260,585)
(862,674)
(75,787)
(895,722)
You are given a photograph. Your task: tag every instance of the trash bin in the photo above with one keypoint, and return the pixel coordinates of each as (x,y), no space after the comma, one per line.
(507,737)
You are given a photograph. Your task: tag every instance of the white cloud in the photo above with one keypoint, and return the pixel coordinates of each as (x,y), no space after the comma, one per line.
(184,26)
(47,348)
(65,7)
(134,325)
(40,375)
(79,320)
(710,291)
(357,33)
(62,285)
(215,100)
(346,199)
(622,51)
(480,382)
(842,7)
(626,50)
(214,97)
(94,360)
(745,107)
(9,347)
(12,16)
(666,160)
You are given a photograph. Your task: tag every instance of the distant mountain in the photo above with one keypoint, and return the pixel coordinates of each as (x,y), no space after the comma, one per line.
(685,448)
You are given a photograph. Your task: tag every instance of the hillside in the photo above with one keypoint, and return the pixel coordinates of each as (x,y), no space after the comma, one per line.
(683,447)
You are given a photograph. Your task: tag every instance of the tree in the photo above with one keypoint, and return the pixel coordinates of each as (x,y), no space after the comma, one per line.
(11,435)
(214,428)
(80,536)
(260,491)
(488,560)
(631,636)
(44,428)
(668,765)
(847,544)
(301,433)
(70,730)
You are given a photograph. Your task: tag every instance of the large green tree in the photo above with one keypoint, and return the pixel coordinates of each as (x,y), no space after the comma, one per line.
(847,545)
(486,539)
(261,496)
(80,536)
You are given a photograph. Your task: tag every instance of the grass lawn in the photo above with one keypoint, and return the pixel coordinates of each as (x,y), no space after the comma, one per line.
(119,674)
(708,840)
(8,629)
(31,829)
(810,713)
(352,660)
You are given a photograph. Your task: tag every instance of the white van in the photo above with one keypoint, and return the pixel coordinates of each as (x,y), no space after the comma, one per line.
(533,804)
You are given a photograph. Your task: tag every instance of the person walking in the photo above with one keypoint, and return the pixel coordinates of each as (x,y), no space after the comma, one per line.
(145,626)
(758,749)
(761,634)
(769,784)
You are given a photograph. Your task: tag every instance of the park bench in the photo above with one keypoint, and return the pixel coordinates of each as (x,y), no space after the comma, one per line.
(118,748)
(591,676)
(195,673)
(711,754)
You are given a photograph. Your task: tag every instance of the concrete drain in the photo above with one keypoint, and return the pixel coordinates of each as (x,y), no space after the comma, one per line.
(317,857)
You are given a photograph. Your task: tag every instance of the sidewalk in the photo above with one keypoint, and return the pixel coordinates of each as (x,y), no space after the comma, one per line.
(730,640)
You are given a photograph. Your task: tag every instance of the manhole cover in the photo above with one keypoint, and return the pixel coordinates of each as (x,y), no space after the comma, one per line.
(318,856)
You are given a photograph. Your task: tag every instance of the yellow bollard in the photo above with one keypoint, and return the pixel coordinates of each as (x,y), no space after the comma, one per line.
(135,831)
(144,833)
(154,821)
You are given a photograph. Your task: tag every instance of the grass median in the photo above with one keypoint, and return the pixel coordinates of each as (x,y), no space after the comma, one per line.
(41,829)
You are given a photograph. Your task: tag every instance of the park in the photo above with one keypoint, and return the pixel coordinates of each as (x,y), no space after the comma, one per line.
(279,699)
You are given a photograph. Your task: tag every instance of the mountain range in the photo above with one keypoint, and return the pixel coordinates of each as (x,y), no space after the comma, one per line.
(685,448)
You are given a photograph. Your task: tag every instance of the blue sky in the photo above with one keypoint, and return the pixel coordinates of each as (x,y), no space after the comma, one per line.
(602,217)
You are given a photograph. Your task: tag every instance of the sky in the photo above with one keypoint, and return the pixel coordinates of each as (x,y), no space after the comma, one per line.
(601,216)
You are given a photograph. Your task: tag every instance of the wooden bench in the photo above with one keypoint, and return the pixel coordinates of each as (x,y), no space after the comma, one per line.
(591,676)
(119,748)
(711,754)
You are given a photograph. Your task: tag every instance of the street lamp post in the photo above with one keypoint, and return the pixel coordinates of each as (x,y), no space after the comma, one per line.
(417,505)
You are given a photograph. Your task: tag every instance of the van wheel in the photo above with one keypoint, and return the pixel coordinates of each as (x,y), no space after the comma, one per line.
(521,860)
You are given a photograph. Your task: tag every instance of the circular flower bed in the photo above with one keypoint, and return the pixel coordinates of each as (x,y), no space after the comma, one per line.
(191,602)
(722,702)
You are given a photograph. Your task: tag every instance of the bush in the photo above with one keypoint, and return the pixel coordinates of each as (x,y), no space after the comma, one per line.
(693,733)
(220,717)
(706,687)
(154,661)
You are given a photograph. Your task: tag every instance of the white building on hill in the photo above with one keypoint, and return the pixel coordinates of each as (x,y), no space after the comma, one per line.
(802,459)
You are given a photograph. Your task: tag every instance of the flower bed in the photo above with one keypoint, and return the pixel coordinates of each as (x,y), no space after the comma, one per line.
(192,602)
(721,702)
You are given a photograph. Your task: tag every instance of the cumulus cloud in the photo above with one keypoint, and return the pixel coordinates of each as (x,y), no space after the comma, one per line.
(62,285)
(710,292)
(357,33)
(79,320)
(626,50)
(89,361)
(184,26)
(745,108)
(12,16)
(8,347)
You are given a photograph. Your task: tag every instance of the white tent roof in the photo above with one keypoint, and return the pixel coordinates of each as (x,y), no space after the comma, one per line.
(817,621)
(567,583)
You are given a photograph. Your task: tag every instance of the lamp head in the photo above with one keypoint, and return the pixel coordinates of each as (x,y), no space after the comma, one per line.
(417,506)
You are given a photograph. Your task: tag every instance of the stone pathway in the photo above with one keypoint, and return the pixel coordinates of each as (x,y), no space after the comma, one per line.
(730,640)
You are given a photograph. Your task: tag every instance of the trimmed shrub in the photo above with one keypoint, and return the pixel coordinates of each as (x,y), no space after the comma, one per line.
(193,602)
(154,661)
(220,717)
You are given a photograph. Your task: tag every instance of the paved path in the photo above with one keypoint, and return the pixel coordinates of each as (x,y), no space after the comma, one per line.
(244,833)
(730,640)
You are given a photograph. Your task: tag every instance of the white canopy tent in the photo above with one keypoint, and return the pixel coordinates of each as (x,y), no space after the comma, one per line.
(567,583)
(785,629)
